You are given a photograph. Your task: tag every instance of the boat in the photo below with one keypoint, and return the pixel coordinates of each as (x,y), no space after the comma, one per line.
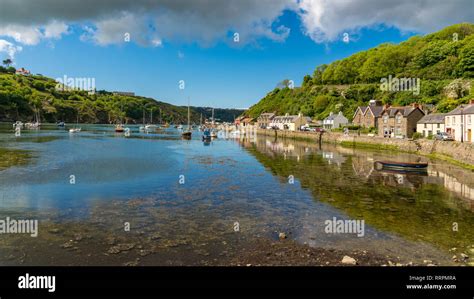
(18,124)
(74,130)
(206,135)
(403,166)
(213,134)
(180,127)
(61,124)
(187,134)
(119,128)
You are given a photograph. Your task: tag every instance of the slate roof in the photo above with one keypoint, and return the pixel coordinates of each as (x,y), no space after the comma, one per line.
(466,109)
(434,118)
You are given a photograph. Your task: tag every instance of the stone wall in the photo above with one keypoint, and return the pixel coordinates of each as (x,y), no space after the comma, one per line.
(461,152)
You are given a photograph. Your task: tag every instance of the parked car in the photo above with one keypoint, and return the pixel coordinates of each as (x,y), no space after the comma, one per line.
(321,130)
(443,136)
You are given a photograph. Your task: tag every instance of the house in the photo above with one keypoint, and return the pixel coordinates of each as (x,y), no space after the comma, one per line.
(247,121)
(289,122)
(459,123)
(263,121)
(238,120)
(123,93)
(431,124)
(334,121)
(399,122)
(22,71)
(367,116)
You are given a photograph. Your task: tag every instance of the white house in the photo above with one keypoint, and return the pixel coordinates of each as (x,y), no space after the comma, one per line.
(334,121)
(431,124)
(460,122)
(289,122)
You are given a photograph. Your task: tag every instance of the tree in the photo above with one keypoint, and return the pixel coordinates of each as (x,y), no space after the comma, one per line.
(7,62)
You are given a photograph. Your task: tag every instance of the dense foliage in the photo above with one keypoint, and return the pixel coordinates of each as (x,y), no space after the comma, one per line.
(436,59)
(22,96)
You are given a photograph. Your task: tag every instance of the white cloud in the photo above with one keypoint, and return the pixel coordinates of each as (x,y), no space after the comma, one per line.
(151,23)
(326,20)
(9,48)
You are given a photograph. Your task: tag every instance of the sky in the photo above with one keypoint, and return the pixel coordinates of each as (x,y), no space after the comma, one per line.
(229,54)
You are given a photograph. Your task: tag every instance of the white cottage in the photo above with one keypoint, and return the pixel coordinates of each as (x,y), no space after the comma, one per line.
(460,123)
(334,121)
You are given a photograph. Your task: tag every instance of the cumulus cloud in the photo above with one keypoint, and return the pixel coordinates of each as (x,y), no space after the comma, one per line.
(9,48)
(151,23)
(326,20)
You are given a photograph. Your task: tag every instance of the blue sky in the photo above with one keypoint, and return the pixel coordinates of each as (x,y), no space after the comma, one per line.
(216,71)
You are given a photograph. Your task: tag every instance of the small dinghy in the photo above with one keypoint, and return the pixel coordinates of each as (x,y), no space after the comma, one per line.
(404,166)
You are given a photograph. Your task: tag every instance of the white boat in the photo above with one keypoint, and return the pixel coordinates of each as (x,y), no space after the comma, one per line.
(213,134)
(74,130)
(18,124)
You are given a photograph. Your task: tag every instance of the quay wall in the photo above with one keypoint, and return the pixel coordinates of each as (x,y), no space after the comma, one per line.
(457,152)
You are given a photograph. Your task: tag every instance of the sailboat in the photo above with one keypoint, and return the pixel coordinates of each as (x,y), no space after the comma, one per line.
(76,129)
(213,131)
(143,127)
(151,126)
(187,134)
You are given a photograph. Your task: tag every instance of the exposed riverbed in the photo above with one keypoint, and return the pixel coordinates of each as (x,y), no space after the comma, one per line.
(227,203)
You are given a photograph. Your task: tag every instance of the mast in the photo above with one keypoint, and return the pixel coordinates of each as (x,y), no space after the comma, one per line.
(188,115)
(151,116)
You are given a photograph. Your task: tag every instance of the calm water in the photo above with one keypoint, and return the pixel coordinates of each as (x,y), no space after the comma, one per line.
(186,197)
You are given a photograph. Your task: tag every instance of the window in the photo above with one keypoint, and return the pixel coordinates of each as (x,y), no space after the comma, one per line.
(385,119)
(469,119)
(399,119)
(439,126)
(454,120)
(448,119)
(425,126)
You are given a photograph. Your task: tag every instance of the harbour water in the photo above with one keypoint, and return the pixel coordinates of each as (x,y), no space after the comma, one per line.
(154,199)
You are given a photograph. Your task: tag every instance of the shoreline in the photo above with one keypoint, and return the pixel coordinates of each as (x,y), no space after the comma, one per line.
(453,152)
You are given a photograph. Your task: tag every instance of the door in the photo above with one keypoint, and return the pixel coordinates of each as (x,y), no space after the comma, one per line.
(469,135)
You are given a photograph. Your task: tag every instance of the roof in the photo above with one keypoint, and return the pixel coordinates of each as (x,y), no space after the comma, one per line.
(434,118)
(286,118)
(333,116)
(376,110)
(405,111)
(465,109)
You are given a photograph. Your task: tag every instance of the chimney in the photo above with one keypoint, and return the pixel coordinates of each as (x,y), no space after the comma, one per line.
(386,106)
(340,112)
(471,102)
(330,113)
(286,114)
(415,105)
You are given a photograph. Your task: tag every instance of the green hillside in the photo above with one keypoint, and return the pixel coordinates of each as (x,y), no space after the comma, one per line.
(21,96)
(443,61)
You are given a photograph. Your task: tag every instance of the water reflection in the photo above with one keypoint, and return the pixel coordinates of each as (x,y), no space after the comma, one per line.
(417,206)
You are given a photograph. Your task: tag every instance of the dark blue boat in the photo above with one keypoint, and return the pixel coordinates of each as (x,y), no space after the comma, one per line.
(206,136)
(403,165)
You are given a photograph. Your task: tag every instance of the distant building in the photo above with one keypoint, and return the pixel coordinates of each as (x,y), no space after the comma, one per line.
(22,71)
(399,121)
(367,116)
(247,121)
(123,93)
(431,124)
(460,122)
(334,121)
(264,120)
(289,122)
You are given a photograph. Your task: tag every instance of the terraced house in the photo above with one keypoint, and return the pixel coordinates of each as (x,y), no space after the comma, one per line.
(460,122)
(367,116)
(399,122)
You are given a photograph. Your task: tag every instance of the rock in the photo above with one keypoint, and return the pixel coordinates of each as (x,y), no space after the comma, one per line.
(427,262)
(282,236)
(453,249)
(68,244)
(347,260)
(464,256)
(54,230)
(120,248)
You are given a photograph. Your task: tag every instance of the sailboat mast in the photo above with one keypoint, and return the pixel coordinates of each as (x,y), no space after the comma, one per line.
(188,115)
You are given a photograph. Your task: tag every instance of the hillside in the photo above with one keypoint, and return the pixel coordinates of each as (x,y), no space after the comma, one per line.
(21,96)
(443,61)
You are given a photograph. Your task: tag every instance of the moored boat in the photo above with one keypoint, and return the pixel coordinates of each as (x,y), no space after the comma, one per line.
(402,165)
(119,128)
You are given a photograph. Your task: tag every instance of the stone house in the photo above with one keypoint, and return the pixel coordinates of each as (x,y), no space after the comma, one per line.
(399,122)
(431,124)
(460,122)
(264,120)
(367,116)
